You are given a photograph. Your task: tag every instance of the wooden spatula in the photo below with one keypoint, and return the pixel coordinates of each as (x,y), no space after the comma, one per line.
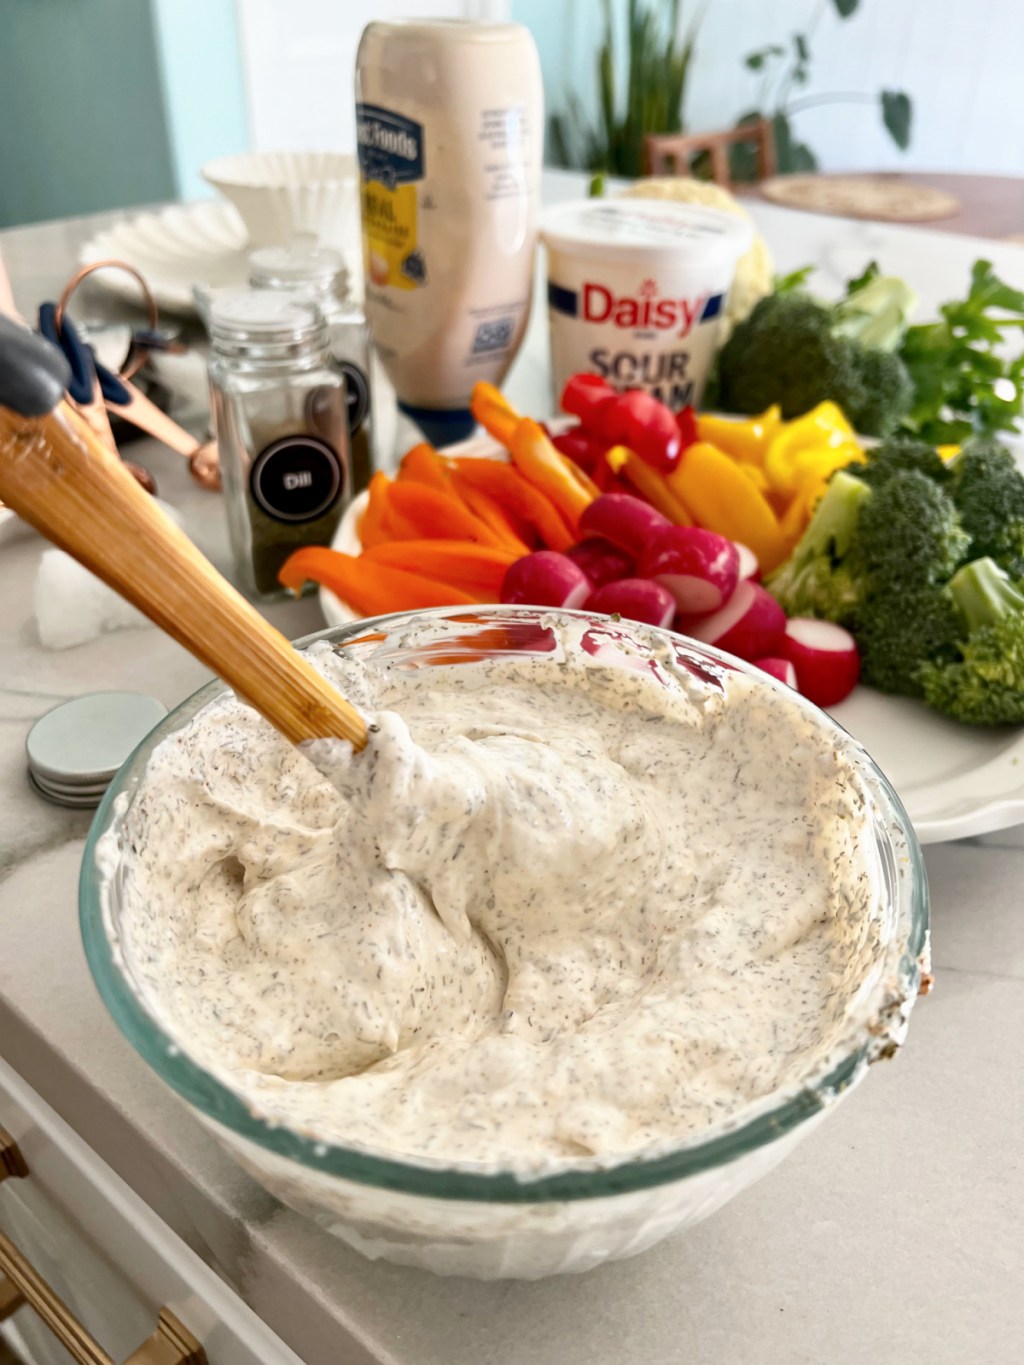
(57,475)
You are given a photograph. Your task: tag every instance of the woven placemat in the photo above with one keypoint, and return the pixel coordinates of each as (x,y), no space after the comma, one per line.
(861,196)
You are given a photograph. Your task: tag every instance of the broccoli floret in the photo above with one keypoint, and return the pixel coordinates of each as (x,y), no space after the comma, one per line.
(813,581)
(785,353)
(988,490)
(797,351)
(900,454)
(897,632)
(908,534)
(984,683)
(888,393)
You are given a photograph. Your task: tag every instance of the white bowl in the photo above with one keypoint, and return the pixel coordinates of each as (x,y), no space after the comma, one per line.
(281,195)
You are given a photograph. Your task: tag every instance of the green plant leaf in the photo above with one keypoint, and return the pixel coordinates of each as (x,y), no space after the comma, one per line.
(803,52)
(754,61)
(897,114)
(795,280)
(803,159)
(844,8)
(558,141)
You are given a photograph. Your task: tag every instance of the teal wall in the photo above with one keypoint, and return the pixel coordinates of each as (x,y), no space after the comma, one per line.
(111,103)
(203,87)
(82,123)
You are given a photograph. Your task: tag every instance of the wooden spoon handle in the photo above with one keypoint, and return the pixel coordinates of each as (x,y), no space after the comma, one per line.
(58,476)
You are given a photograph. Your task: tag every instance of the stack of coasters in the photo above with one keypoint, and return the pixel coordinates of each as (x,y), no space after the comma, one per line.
(74,750)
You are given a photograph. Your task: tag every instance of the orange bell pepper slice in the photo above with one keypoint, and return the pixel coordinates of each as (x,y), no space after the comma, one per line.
(720,497)
(434,515)
(539,462)
(494,412)
(517,495)
(651,485)
(370,589)
(422,464)
(476,569)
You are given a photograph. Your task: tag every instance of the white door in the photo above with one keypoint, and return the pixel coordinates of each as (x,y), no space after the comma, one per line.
(298,59)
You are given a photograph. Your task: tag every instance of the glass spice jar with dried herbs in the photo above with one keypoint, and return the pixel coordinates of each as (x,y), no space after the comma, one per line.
(281,417)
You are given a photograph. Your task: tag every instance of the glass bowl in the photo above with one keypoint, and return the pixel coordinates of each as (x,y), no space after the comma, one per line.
(457,1220)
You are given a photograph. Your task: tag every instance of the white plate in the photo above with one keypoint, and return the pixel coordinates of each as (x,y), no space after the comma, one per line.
(955,780)
(182,246)
(175,249)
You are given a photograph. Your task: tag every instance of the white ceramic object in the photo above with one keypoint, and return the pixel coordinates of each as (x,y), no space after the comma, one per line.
(175,249)
(281,195)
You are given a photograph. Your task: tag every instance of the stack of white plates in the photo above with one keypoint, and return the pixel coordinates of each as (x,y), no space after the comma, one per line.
(74,750)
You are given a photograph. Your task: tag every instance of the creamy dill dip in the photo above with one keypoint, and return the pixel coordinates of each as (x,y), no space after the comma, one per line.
(557,909)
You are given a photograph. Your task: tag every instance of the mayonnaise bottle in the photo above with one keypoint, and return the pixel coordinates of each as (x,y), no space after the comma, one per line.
(449,127)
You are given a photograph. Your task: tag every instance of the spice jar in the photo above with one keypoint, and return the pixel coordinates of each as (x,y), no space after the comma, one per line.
(320,273)
(281,418)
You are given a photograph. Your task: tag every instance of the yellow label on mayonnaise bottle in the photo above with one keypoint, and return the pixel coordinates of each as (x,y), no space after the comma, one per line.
(390,167)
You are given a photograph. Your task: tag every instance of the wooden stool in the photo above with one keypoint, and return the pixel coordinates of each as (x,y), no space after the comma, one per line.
(673,153)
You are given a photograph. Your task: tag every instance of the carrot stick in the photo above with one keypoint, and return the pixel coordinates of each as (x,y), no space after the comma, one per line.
(434,515)
(517,495)
(476,569)
(371,523)
(494,412)
(493,515)
(422,464)
(539,462)
(370,589)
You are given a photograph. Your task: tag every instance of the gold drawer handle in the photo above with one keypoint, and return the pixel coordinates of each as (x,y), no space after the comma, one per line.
(22,1285)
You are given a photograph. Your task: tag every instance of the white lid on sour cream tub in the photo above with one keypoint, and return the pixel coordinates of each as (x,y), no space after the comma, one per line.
(642,229)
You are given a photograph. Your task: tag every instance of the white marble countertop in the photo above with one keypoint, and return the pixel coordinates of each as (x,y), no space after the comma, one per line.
(894,1234)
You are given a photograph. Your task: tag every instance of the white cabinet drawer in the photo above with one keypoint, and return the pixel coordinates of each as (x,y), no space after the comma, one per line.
(106,1254)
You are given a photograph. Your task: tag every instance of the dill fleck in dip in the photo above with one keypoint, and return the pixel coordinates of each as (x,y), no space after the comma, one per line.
(557,909)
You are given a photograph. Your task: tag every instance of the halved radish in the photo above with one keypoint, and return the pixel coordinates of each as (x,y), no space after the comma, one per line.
(624,520)
(699,568)
(825,658)
(545,579)
(749,564)
(751,625)
(637,599)
(601,561)
(780,669)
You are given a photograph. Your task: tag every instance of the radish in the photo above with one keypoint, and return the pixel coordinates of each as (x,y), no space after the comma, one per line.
(780,669)
(749,566)
(825,658)
(601,561)
(751,625)
(624,520)
(545,579)
(637,599)
(699,568)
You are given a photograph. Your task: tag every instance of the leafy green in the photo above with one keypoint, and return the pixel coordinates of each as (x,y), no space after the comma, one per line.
(897,115)
(963,383)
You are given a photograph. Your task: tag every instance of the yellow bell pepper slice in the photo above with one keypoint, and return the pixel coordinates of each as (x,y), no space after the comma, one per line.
(719,497)
(648,483)
(747,441)
(755,475)
(823,429)
(788,471)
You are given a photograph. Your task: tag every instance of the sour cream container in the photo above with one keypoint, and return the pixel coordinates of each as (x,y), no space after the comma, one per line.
(636,292)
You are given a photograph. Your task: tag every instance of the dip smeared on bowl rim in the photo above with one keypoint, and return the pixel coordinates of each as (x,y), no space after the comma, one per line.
(576,906)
